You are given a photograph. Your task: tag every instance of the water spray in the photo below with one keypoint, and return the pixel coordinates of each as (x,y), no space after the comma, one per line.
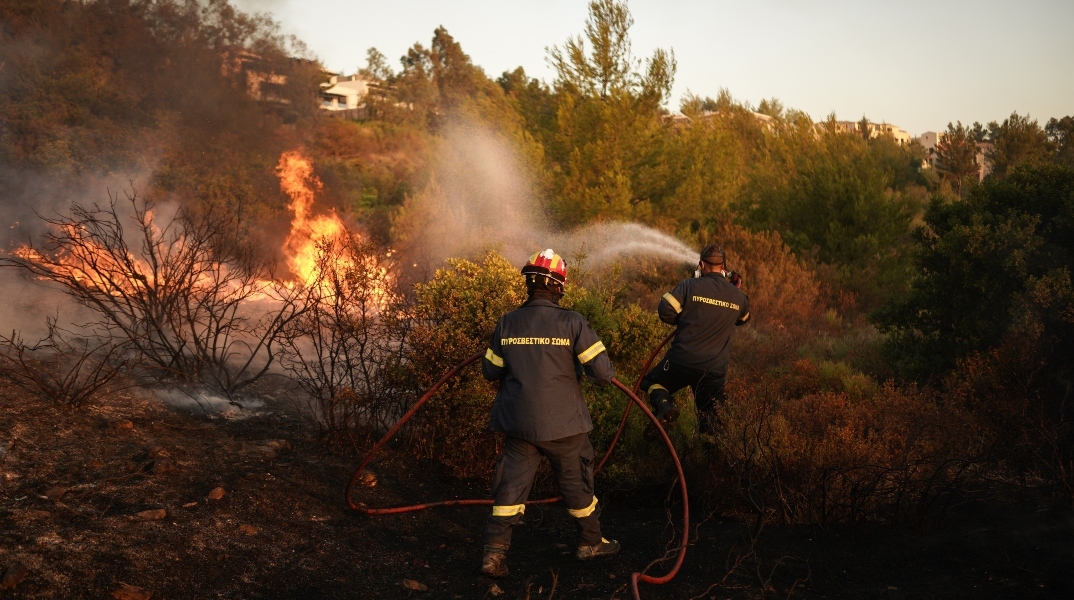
(482,198)
(632,394)
(607,242)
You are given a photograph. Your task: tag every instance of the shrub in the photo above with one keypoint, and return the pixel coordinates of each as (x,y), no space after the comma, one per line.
(1027,416)
(999,262)
(786,301)
(820,444)
(172,292)
(346,348)
(455,314)
(67,369)
(992,313)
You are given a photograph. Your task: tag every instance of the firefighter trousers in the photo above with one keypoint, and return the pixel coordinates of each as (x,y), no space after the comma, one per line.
(572,464)
(666,378)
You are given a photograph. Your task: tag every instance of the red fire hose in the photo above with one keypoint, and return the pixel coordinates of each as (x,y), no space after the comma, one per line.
(637,390)
(632,394)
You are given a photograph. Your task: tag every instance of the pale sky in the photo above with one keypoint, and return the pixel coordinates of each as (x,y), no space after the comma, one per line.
(915,63)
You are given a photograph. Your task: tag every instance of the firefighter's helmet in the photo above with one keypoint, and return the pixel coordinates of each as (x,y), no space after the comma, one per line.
(548,264)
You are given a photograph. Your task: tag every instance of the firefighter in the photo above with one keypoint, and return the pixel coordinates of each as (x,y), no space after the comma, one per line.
(539,353)
(705,311)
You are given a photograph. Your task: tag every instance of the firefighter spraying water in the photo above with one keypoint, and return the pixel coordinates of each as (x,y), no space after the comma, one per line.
(538,353)
(705,311)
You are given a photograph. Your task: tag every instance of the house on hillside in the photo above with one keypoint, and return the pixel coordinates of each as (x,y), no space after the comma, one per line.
(344,95)
(875,130)
(257,75)
(930,139)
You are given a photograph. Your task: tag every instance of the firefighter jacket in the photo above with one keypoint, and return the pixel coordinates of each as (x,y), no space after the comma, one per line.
(704,310)
(539,353)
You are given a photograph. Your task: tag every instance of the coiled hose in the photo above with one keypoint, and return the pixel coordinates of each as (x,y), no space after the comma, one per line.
(631,393)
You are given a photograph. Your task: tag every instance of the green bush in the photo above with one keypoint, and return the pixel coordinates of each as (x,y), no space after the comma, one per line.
(455,314)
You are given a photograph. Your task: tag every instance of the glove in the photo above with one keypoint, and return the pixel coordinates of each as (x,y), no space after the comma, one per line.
(735,279)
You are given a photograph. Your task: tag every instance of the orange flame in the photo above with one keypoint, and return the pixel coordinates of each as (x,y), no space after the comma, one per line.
(310,234)
(308,231)
(88,263)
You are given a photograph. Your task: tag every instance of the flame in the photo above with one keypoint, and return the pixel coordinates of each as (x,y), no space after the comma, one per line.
(313,249)
(89,263)
(308,232)
(312,234)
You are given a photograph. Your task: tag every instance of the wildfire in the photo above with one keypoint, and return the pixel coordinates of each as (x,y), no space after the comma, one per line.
(316,250)
(311,234)
(113,273)
(308,231)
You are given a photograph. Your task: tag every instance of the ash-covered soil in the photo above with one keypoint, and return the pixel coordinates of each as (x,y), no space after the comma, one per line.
(114,501)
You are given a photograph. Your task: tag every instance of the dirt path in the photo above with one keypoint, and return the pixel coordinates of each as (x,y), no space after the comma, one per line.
(75,488)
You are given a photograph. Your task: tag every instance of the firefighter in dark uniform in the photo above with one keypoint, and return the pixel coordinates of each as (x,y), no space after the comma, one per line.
(539,353)
(705,311)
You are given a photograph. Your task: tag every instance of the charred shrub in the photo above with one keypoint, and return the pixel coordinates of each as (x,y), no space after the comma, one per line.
(346,349)
(68,369)
(171,290)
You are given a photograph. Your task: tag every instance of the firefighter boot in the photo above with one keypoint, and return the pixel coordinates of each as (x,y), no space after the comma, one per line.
(604,548)
(664,410)
(495,562)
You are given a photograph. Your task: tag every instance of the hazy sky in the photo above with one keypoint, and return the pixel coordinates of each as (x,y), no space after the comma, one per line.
(915,63)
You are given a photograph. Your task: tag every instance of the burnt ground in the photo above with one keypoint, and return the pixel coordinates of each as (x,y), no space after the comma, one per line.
(281,529)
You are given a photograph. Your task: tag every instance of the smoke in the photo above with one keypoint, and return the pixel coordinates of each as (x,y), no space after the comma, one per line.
(205,402)
(481,199)
(30,195)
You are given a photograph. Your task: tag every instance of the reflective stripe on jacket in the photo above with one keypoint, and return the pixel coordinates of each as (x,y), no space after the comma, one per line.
(539,352)
(704,310)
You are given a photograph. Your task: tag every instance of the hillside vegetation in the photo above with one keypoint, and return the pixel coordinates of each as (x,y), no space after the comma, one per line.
(914,327)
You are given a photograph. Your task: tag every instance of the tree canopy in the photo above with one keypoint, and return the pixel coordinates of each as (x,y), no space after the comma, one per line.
(994,265)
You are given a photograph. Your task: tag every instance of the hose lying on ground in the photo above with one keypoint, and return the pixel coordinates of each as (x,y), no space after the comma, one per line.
(634,399)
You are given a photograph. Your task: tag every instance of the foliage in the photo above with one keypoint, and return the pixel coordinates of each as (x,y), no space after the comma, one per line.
(831,197)
(786,299)
(956,157)
(820,444)
(992,311)
(455,313)
(1061,134)
(371,168)
(998,262)
(1017,140)
(608,69)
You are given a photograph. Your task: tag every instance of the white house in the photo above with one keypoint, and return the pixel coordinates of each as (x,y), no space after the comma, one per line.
(930,139)
(343,92)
